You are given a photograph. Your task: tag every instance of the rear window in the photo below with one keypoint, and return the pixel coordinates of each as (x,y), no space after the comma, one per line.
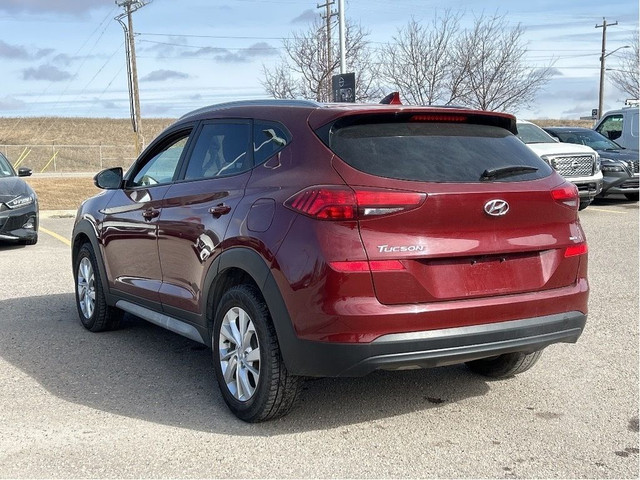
(529,133)
(434,152)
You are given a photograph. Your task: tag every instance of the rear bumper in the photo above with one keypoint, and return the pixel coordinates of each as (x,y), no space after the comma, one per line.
(588,187)
(435,348)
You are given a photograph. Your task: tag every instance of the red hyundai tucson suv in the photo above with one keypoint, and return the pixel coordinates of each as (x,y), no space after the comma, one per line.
(302,239)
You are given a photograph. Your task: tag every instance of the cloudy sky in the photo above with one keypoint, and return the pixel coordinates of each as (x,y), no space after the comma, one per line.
(66,57)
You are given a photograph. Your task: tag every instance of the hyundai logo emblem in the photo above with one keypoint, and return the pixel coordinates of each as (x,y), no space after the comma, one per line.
(496,208)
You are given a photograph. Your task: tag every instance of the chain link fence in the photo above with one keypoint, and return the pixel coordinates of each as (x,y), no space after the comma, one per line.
(69,158)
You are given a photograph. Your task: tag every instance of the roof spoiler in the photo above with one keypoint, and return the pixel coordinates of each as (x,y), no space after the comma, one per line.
(392,99)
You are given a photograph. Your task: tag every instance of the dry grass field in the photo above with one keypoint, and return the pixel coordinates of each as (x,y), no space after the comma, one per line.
(54,144)
(63,145)
(62,193)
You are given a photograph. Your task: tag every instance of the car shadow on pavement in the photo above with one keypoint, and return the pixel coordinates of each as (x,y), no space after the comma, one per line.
(617,201)
(6,245)
(145,372)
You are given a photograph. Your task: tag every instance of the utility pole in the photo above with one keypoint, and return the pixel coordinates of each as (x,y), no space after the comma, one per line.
(602,57)
(327,16)
(131,6)
(342,34)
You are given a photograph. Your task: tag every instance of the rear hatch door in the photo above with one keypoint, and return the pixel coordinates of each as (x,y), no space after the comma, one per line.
(489,224)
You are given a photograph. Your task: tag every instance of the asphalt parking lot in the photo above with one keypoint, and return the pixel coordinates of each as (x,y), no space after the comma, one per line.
(142,402)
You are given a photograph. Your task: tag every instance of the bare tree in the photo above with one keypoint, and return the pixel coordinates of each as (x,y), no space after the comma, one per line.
(278,82)
(418,61)
(491,67)
(303,70)
(626,76)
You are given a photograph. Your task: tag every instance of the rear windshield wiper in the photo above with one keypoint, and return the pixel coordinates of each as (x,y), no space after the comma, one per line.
(510,171)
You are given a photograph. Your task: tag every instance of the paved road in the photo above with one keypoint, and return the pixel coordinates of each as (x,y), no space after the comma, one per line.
(142,402)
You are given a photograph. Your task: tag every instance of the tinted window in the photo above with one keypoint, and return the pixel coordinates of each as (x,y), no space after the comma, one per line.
(529,133)
(268,139)
(434,152)
(611,127)
(590,138)
(5,168)
(221,149)
(160,167)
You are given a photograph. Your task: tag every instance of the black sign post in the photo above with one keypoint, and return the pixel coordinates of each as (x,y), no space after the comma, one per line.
(344,87)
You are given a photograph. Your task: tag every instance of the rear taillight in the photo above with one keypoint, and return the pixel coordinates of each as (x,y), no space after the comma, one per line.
(344,203)
(567,194)
(575,250)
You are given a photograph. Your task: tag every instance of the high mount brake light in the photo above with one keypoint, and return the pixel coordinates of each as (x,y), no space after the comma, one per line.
(344,203)
(436,117)
(567,194)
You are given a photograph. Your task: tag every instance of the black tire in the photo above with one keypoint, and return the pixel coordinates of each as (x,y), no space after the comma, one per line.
(273,392)
(584,204)
(506,365)
(631,196)
(100,316)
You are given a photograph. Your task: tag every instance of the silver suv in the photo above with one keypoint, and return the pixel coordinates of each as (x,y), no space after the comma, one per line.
(579,164)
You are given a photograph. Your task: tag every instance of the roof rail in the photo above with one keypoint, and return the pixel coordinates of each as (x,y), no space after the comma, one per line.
(254,103)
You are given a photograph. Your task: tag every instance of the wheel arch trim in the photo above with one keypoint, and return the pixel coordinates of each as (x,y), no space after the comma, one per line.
(254,265)
(84,228)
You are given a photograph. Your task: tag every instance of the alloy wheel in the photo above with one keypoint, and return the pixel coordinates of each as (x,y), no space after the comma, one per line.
(86,288)
(239,354)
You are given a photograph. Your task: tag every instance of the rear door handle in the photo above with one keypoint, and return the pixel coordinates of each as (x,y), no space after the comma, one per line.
(219,210)
(150,213)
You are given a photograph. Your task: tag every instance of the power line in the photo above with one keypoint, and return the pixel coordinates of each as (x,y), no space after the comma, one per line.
(222,37)
(71,79)
(182,45)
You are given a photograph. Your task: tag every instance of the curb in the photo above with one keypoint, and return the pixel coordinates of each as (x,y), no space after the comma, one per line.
(57,213)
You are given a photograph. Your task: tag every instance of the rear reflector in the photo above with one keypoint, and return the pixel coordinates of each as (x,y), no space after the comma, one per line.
(567,194)
(575,250)
(344,203)
(364,266)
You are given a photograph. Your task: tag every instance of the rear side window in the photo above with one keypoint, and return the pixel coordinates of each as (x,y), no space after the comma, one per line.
(434,152)
(221,149)
(268,139)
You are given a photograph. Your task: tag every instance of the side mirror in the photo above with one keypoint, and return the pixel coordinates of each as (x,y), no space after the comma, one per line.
(109,179)
(24,172)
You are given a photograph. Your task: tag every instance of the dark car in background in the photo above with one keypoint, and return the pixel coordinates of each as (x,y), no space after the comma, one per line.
(619,165)
(299,239)
(18,205)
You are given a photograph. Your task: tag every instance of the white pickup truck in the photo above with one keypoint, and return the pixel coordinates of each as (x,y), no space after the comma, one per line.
(579,164)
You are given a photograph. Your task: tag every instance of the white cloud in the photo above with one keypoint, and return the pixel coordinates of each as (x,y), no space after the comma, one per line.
(46,72)
(162,75)
(61,6)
